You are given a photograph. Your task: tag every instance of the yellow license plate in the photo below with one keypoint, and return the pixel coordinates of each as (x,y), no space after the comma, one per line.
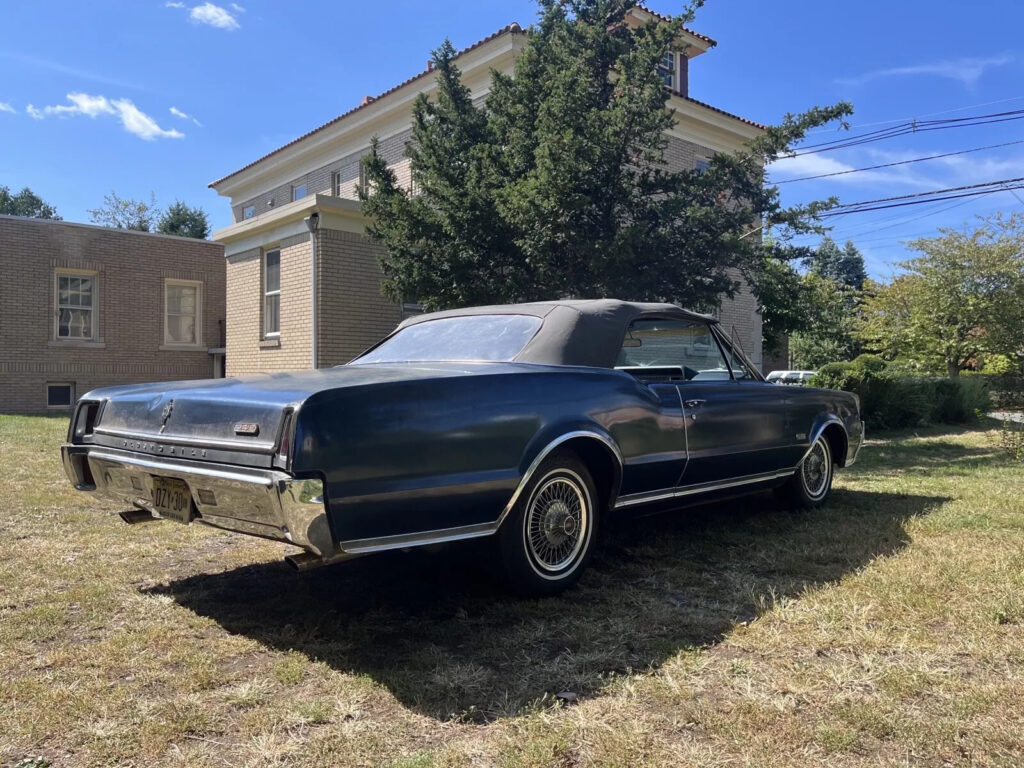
(172,499)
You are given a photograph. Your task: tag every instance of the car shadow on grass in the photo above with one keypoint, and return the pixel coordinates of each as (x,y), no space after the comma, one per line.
(448,642)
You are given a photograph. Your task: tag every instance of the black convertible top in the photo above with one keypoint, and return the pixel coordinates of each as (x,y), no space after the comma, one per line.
(573,332)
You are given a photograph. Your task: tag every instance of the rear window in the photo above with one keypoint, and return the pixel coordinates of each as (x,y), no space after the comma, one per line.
(492,338)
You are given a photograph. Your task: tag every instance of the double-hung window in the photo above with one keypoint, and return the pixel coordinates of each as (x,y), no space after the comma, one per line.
(667,70)
(272,293)
(182,312)
(76,303)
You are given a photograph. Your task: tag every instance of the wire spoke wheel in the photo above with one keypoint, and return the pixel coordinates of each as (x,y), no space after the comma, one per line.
(816,469)
(557,522)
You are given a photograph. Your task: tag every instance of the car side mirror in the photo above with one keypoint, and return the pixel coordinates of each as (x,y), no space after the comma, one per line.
(630,342)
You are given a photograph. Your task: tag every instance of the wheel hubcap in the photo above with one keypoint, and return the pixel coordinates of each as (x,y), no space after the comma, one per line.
(815,470)
(556,523)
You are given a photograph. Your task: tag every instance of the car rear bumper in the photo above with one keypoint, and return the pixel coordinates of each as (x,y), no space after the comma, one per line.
(259,502)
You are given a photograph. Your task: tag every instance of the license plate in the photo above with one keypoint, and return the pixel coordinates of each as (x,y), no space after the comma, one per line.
(172,499)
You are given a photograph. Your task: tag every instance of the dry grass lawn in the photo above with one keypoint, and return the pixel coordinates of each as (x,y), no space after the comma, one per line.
(885,629)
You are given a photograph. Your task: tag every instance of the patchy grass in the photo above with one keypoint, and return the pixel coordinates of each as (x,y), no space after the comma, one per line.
(885,629)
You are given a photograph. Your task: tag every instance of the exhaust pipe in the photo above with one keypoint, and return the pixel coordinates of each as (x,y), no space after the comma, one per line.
(307,561)
(133,516)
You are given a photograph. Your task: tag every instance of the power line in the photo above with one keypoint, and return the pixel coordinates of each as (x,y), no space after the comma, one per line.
(916,126)
(952,193)
(901,162)
(927,114)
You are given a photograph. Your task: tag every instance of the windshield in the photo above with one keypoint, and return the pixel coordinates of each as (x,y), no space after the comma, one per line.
(494,338)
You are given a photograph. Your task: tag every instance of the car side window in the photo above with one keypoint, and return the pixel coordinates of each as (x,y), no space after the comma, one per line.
(671,349)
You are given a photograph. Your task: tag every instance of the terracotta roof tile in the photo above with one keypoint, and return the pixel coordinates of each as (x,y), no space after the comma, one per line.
(723,112)
(698,35)
(512,28)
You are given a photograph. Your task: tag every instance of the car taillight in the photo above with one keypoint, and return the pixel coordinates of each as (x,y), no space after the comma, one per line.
(283,458)
(85,420)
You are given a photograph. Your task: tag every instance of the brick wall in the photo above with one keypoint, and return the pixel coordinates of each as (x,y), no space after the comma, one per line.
(130,269)
(249,351)
(353,313)
(318,181)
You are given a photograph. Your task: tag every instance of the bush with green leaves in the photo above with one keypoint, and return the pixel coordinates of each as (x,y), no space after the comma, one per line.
(890,399)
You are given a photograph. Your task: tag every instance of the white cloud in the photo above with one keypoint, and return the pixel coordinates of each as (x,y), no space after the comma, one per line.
(965,71)
(133,119)
(174,5)
(238,8)
(5,107)
(214,16)
(820,164)
(184,116)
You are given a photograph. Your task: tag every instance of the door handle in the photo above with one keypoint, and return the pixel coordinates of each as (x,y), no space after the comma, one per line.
(694,403)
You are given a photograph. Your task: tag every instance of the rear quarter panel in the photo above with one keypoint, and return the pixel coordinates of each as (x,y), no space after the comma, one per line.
(431,454)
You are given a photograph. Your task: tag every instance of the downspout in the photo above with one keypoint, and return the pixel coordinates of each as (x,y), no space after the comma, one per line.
(313,224)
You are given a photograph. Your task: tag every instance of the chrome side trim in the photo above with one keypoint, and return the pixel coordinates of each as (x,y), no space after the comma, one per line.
(418,539)
(607,441)
(829,420)
(718,485)
(458,533)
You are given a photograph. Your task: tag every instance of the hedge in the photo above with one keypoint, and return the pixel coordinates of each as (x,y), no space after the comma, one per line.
(889,399)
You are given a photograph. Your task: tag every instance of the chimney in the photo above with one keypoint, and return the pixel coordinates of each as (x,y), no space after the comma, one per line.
(366,100)
(430,65)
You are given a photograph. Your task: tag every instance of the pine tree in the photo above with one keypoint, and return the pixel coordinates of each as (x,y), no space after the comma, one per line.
(557,186)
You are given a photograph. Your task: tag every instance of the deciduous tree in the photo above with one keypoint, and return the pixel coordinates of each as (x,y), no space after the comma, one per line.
(962,297)
(25,203)
(123,213)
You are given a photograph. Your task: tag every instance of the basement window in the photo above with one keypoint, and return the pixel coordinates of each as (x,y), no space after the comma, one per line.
(60,396)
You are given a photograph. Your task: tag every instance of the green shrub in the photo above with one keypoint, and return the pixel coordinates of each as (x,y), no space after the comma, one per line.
(891,400)
(1011,439)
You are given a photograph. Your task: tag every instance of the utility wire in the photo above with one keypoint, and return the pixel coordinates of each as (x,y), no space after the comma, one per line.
(916,126)
(918,117)
(902,162)
(952,193)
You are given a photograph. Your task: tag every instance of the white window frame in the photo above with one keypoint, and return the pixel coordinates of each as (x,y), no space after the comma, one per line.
(198,285)
(248,212)
(336,182)
(95,308)
(71,399)
(265,293)
(674,85)
(363,184)
(296,188)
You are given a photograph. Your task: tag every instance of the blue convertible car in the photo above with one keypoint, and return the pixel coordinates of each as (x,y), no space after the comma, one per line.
(528,423)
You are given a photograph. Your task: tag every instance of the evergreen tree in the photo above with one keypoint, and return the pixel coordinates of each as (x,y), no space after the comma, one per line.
(184,221)
(557,186)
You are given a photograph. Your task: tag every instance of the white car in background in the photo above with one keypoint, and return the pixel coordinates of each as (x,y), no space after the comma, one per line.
(800,378)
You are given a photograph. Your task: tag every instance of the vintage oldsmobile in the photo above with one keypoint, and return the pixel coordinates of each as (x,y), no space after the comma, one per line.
(528,423)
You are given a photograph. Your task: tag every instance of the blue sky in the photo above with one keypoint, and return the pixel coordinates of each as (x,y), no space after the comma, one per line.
(166,97)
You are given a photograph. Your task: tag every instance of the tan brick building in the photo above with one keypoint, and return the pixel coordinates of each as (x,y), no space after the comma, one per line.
(303,278)
(84,306)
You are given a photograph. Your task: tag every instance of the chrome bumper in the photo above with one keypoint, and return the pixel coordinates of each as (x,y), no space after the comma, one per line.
(259,502)
(855,452)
